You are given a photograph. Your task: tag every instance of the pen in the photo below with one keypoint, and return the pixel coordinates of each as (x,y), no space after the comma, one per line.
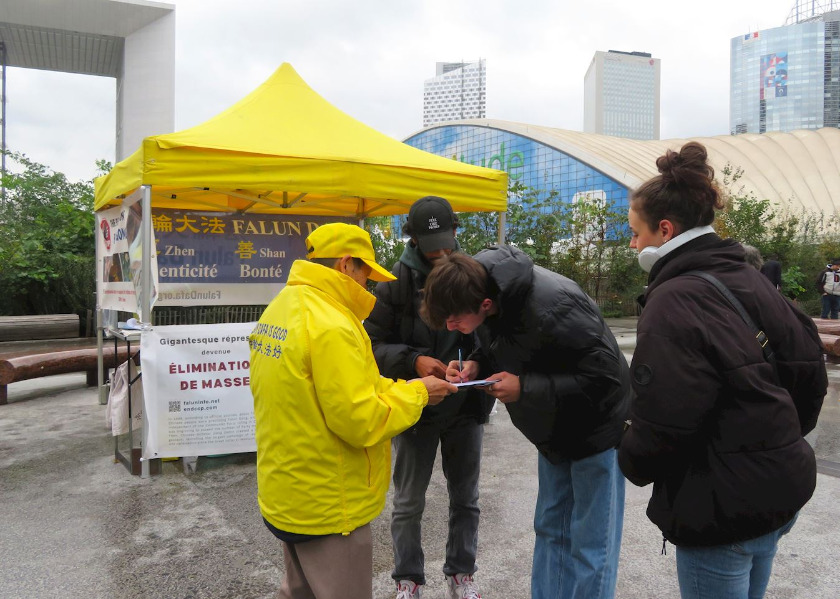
(460,364)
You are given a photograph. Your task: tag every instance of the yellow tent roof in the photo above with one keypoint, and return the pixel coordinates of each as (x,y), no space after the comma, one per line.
(284,149)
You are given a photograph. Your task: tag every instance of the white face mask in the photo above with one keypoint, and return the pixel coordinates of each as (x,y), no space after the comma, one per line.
(651,254)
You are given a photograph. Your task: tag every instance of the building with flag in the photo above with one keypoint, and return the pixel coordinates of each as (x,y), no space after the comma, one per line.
(621,95)
(788,77)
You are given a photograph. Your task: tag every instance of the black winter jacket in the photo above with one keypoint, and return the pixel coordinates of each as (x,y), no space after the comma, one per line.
(574,380)
(399,336)
(714,432)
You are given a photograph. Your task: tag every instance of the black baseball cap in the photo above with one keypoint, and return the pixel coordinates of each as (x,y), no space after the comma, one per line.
(432,223)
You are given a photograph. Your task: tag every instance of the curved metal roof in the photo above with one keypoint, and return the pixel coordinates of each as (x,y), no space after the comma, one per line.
(800,169)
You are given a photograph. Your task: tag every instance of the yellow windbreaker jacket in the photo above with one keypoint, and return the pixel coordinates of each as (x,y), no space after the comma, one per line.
(324,415)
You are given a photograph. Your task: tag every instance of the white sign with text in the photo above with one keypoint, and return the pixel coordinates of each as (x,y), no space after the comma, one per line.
(196,384)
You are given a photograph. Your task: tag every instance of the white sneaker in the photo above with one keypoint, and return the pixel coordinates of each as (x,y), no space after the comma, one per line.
(408,589)
(462,586)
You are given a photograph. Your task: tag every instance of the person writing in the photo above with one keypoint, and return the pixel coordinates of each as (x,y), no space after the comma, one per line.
(717,424)
(406,347)
(565,384)
(325,417)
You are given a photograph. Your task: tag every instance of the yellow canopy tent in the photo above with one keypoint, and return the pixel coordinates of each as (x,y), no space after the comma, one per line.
(284,149)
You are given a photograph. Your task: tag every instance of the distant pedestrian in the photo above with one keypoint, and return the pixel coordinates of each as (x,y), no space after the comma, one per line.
(752,256)
(828,283)
(772,269)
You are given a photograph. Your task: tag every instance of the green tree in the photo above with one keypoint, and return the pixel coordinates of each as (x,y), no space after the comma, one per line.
(386,241)
(47,252)
(801,240)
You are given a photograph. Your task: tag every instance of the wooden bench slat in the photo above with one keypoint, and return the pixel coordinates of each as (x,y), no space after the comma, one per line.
(21,368)
(828,326)
(831,344)
(41,326)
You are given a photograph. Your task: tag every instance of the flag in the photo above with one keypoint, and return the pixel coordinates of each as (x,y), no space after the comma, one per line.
(748,37)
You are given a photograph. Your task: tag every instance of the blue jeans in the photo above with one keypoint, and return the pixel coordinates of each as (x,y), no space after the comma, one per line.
(578,521)
(737,571)
(415,451)
(830,305)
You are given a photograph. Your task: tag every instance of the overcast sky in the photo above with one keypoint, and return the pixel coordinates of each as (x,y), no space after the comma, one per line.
(370,58)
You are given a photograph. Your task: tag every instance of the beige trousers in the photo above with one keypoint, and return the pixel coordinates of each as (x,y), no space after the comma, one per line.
(333,567)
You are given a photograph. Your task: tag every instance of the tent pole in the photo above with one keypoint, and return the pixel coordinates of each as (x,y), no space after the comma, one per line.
(145,298)
(146,293)
(501,239)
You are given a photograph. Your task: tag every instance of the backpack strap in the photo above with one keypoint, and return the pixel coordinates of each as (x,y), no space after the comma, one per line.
(760,335)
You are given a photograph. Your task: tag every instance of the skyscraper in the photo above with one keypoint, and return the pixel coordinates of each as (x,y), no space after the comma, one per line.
(621,95)
(456,92)
(788,77)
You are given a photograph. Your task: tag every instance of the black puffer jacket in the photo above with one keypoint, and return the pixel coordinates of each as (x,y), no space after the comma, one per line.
(398,336)
(719,438)
(574,380)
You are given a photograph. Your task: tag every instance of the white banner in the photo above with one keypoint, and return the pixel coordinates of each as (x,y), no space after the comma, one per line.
(196,384)
(217,294)
(119,256)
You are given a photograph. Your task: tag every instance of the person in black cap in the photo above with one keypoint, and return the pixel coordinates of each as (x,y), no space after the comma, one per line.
(405,347)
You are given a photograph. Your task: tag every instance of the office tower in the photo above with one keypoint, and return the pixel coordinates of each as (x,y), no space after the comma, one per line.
(621,95)
(455,93)
(788,77)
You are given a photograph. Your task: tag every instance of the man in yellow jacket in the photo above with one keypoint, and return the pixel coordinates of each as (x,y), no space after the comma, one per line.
(325,417)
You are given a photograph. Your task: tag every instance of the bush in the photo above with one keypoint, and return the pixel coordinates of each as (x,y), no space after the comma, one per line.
(47,251)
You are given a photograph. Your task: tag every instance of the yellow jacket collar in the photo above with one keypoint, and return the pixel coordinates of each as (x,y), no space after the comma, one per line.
(335,284)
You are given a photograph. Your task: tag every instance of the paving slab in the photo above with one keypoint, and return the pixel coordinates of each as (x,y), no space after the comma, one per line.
(76,524)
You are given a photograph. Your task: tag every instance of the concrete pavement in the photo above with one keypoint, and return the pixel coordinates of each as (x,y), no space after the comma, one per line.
(75,524)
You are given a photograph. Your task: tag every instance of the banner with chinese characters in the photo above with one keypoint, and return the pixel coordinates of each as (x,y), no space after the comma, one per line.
(213,258)
(119,256)
(196,386)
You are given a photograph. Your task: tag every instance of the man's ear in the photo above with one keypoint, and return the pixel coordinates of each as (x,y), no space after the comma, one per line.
(487,306)
(342,264)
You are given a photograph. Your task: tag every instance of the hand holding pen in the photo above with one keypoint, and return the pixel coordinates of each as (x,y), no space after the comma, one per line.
(460,371)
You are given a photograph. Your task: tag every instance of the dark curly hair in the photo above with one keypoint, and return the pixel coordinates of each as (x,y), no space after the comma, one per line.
(684,192)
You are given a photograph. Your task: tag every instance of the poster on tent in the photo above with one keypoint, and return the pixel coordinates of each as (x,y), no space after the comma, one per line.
(213,258)
(119,256)
(196,389)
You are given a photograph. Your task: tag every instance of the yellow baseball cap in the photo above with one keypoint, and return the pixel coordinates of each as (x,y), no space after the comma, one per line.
(337,240)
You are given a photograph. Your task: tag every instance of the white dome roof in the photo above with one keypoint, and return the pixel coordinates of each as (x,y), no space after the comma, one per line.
(796,169)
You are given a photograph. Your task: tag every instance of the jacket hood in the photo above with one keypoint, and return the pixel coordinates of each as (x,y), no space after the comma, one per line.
(415,260)
(511,270)
(339,286)
(698,254)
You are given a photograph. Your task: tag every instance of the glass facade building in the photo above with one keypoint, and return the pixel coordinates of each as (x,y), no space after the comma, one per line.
(533,164)
(786,78)
(621,95)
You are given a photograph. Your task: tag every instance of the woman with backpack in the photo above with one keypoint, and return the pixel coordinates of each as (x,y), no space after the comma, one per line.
(723,398)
